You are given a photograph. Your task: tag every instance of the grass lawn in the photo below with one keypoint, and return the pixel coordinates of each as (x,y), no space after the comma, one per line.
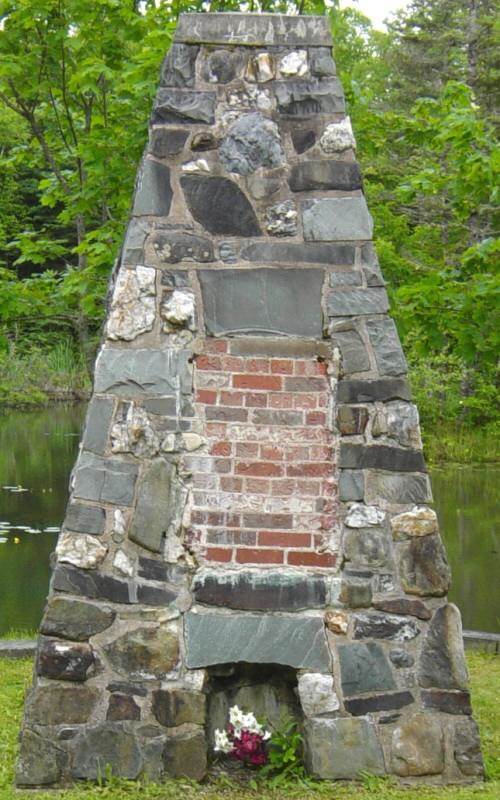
(15,677)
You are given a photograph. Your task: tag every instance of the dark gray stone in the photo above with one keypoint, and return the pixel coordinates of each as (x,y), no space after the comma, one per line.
(351,420)
(321,62)
(75,619)
(394,488)
(260,591)
(99,416)
(63,661)
(132,373)
(394,459)
(342,749)
(308,175)
(174,707)
(40,762)
(351,485)
(402,605)
(447,702)
(85,519)
(346,278)
(307,253)
(253,141)
(367,547)
(165,142)
(334,219)
(356,302)
(61,705)
(355,591)
(178,68)
(135,239)
(105,748)
(303,139)
(266,301)
(122,707)
(382,702)
(184,106)
(204,140)
(442,662)
(377,625)
(400,658)
(125,687)
(423,566)
(307,98)
(364,668)
(467,748)
(262,186)
(175,279)
(174,246)
(220,206)
(147,652)
(222,66)
(163,406)
(358,391)
(106,480)
(154,570)
(386,346)
(220,639)
(353,351)
(155,595)
(153,512)
(153,194)
(254,29)
(91,584)
(185,755)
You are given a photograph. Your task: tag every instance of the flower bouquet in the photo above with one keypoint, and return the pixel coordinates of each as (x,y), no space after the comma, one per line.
(243,739)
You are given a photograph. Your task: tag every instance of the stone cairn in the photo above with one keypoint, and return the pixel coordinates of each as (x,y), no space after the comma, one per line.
(248,519)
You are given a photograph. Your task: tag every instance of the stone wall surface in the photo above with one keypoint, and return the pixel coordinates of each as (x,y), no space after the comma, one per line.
(250,488)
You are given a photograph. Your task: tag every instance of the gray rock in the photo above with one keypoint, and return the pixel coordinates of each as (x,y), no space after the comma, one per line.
(315,174)
(222,66)
(353,351)
(262,186)
(133,432)
(165,142)
(95,436)
(367,547)
(356,591)
(61,705)
(220,206)
(85,519)
(173,247)
(174,707)
(104,748)
(351,420)
(442,662)
(104,479)
(304,98)
(321,62)
(387,347)
(467,748)
(154,512)
(178,68)
(63,661)
(122,707)
(394,459)
(402,605)
(220,639)
(351,485)
(184,106)
(75,619)
(125,687)
(359,391)
(339,749)
(185,755)
(252,141)
(204,140)
(337,137)
(417,747)
(91,584)
(394,488)
(403,424)
(355,302)
(81,550)
(400,658)
(423,566)
(360,706)
(286,301)
(377,625)
(303,139)
(251,590)
(307,253)
(135,239)
(446,702)
(164,406)
(345,278)
(335,219)
(364,668)
(153,194)
(176,278)
(255,29)
(281,219)
(147,652)
(155,570)
(317,694)
(132,373)
(133,307)
(40,762)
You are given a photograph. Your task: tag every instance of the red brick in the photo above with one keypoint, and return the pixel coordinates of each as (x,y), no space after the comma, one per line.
(279,539)
(298,452)
(233,364)
(230,484)
(310,469)
(271,453)
(257,365)
(315,418)
(218,554)
(215,346)
(257,485)
(305,401)
(311,367)
(264,382)
(329,488)
(320,452)
(220,449)
(233,520)
(309,488)
(256,400)
(309,559)
(216,429)
(259,556)
(208,362)
(283,487)
(264,520)
(215,517)
(323,400)
(282,400)
(281,366)
(206,396)
(231,398)
(258,469)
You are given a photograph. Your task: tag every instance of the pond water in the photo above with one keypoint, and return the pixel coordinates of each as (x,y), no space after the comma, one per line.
(37,452)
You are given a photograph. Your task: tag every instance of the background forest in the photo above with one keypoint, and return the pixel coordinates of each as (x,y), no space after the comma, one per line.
(77,80)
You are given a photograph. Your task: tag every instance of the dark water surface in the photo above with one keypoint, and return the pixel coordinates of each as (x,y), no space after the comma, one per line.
(37,452)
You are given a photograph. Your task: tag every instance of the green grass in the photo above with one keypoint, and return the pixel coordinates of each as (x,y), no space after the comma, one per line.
(485,684)
(18,633)
(455,444)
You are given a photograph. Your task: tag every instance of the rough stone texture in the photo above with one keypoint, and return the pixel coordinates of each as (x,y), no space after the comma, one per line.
(447,702)
(467,748)
(132,309)
(154,193)
(147,652)
(260,591)
(178,67)
(281,219)
(179,105)
(420,521)
(294,64)
(85,519)
(252,141)
(357,302)
(417,747)
(80,550)
(403,424)
(261,68)
(337,137)
(122,707)
(154,513)
(75,619)
(174,707)
(317,694)
(62,705)
(400,658)
(108,746)
(384,626)
(95,438)
(338,749)
(95,586)
(360,391)
(309,175)
(185,755)
(220,206)
(442,662)
(165,142)
(351,485)
(395,488)
(382,702)
(356,590)
(307,253)
(354,456)
(104,479)
(352,420)
(218,639)
(361,516)
(386,345)
(304,99)
(256,29)
(64,661)
(367,547)
(354,355)
(132,373)
(423,566)
(364,668)
(337,219)
(40,762)
(402,605)
(134,433)
(173,247)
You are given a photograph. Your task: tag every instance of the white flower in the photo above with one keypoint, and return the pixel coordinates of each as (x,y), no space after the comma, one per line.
(266,735)
(222,743)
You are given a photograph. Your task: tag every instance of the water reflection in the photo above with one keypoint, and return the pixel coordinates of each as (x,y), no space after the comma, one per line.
(37,452)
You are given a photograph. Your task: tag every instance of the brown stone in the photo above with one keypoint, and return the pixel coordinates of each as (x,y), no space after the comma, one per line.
(423,566)
(337,621)
(144,652)
(417,747)
(401,605)
(420,521)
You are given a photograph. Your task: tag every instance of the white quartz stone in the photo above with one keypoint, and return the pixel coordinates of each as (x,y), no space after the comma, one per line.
(133,305)
(317,694)
(119,522)
(123,564)
(294,64)
(135,434)
(200,165)
(338,136)
(81,550)
(178,309)
(361,516)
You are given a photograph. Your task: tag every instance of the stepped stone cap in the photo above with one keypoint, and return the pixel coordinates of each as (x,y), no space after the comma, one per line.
(253,29)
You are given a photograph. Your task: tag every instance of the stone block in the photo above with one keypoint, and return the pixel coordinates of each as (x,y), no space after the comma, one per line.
(442,661)
(39,762)
(354,355)
(346,278)
(153,195)
(377,625)
(356,590)
(258,29)
(361,516)
(337,137)
(307,176)
(403,424)
(122,707)
(185,755)
(165,142)
(394,459)
(63,661)
(367,547)
(220,639)
(351,420)
(394,488)
(75,619)
(106,480)
(356,302)
(305,98)
(360,706)
(467,748)
(364,668)
(154,511)
(401,658)
(293,253)
(222,66)
(360,391)
(155,595)
(61,705)
(351,485)
(81,550)
(417,747)
(342,749)
(85,519)
(220,206)
(252,141)
(147,652)
(423,566)
(303,139)
(91,584)
(286,302)
(104,748)
(317,694)
(269,590)
(281,219)
(173,247)
(447,702)
(420,521)
(154,570)
(402,605)
(386,346)
(174,707)
(134,373)
(183,106)
(135,239)
(336,219)
(95,435)
(321,62)
(178,68)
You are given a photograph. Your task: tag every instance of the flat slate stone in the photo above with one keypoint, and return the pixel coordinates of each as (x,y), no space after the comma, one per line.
(132,373)
(367,547)
(403,605)
(260,591)
(447,702)
(335,219)
(173,707)
(156,570)
(90,584)
(351,485)
(357,302)
(164,142)
(220,206)
(353,351)
(386,346)
(99,416)
(178,68)
(442,661)
(184,106)
(147,652)
(253,141)
(302,99)
(360,706)
(341,749)
(85,519)
(254,29)
(106,480)
(172,247)
(307,253)
(107,746)
(40,762)
(397,488)
(135,239)
(341,175)
(298,642)
(358,391)
(286,302)
(75,619)
(153,511)
(467,748)
(153,194)
(61,705)
(423,566)
(364,668)
(394,459)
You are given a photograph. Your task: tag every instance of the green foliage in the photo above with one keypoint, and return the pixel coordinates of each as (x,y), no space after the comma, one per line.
(285,754)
